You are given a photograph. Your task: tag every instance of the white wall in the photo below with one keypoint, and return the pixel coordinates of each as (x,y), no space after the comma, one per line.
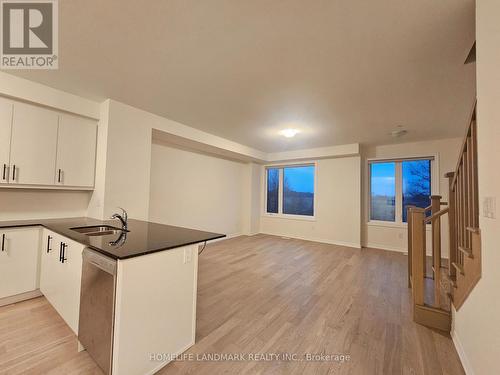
(337,211)
(477,324)
(123,161)
(252,199)
(96,204)
(396,237)
(197,191)
(128,160)
(20,204)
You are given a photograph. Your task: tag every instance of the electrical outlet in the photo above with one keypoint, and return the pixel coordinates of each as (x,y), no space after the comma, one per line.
(489,207)
(188,255)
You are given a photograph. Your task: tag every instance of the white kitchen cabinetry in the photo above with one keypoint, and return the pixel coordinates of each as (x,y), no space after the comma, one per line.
(19,260)
(5,128)
(76,150)
(43,148)
(61,271)
(33,145)
(50,265)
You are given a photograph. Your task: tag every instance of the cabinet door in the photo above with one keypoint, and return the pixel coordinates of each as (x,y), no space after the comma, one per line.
(71,275)
(5,128)
(19,259)
(33,145)
(60,280)
(49,278)
(76,150)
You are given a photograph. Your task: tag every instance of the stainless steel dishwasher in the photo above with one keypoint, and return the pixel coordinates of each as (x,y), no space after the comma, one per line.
(97,307)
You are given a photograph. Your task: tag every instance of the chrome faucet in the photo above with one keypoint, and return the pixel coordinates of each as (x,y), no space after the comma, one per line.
(123,217)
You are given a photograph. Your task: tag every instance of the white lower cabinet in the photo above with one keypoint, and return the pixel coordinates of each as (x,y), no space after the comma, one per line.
(19,260)
(61,271)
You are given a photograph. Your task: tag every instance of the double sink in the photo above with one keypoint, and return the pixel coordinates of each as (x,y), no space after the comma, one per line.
(99,230)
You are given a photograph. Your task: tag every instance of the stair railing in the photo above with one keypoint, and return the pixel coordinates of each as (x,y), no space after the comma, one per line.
(464,267)
(418,218)
(465,243)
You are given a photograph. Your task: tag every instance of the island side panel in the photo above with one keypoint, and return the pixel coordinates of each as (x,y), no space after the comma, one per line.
(155,309)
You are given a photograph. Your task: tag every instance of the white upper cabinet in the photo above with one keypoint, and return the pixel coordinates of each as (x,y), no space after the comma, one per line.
(76,150)
(44,148)
(33,145)
(5,128)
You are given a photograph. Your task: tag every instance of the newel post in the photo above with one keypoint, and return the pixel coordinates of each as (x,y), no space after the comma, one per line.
(410,239)
(418,248)
(436,246)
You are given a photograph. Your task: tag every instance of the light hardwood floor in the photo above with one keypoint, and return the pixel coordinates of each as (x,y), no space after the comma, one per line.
(265,294)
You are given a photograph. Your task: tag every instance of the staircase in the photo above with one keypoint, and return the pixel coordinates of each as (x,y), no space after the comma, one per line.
(435,287)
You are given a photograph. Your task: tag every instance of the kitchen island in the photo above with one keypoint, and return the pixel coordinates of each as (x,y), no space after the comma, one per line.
(128,293)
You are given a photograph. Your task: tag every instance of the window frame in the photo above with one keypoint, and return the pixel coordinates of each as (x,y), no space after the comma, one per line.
(280,214)
(399,186)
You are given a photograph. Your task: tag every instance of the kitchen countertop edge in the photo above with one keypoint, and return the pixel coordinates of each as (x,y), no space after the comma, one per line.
(43,223)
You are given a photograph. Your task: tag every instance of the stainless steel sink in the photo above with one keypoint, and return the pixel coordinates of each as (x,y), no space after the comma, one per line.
(98,230)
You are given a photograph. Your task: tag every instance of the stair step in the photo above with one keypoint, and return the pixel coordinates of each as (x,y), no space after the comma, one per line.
(432,317)
(459,268)
(466,251)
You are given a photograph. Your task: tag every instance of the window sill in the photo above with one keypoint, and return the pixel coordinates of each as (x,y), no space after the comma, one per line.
(289,217)
(388,224)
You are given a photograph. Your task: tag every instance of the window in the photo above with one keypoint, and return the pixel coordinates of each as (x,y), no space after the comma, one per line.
(416,184)
(383,191)
(290,190)
(272,190)
(397,184)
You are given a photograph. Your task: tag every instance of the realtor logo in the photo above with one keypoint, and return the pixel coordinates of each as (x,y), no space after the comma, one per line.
(29,34)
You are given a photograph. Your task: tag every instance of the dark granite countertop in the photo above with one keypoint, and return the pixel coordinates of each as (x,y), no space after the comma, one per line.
(143,237)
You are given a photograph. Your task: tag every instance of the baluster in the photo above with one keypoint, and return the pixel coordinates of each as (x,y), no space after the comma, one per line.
(475,195)
(467,194)
(452,225)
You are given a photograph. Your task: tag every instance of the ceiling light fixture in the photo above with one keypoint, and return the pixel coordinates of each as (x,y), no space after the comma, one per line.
(289,133)
(399,132)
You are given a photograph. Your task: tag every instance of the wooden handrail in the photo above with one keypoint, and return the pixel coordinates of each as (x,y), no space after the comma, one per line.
(472,118)
(437,215)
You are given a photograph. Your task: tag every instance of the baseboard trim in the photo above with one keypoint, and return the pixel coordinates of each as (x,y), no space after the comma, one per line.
(384,247)
(228,237)
(320,240)
(20,297)
(394,249)
(163,364)
(458,345)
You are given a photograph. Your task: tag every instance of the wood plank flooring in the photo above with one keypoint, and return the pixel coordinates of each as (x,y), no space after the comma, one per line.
(265,294)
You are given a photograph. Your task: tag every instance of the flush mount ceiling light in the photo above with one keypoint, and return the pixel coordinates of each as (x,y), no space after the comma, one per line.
(399,132)
(289,133)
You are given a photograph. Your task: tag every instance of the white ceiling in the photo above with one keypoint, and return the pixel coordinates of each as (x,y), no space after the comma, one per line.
(342,71)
